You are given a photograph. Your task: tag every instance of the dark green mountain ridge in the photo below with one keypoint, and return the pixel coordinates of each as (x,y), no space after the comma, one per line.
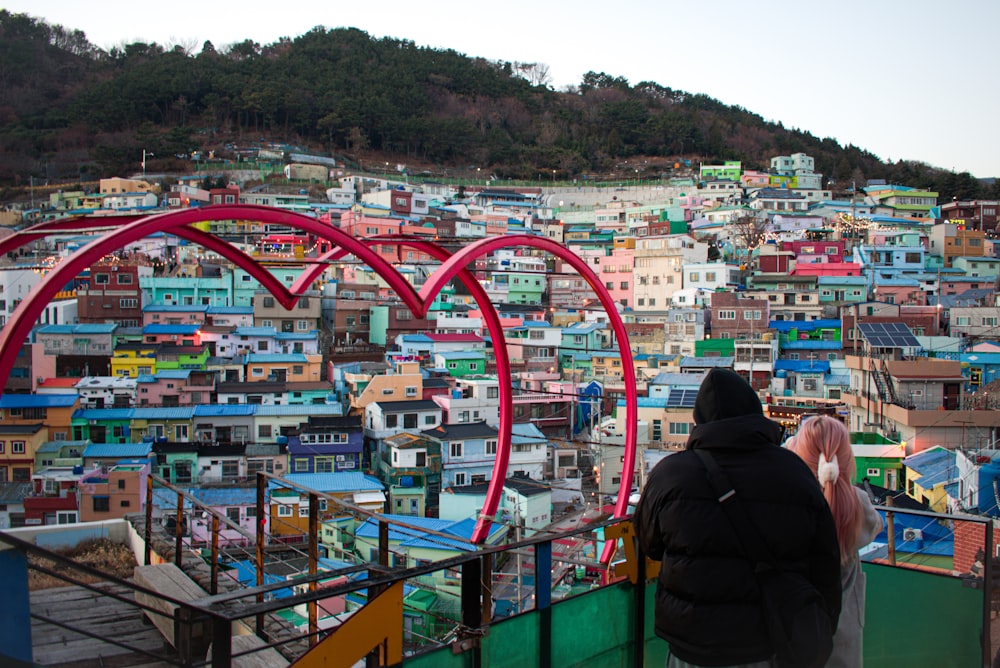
(69,110)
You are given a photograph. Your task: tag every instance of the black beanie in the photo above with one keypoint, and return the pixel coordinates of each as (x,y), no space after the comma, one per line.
(725,394)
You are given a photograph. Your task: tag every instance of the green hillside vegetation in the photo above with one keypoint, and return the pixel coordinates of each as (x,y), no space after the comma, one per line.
(69,110)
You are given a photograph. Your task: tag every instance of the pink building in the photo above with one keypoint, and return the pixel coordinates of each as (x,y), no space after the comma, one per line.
(363,226)
(616,272)
(827,269)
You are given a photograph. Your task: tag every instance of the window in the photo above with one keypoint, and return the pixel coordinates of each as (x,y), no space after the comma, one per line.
(298,369)
(429,419)
(727,315)
(459,479)
(873,472)
(102,504)
(455,448)
(679,428)
(492,392)
(695,276)
(302,325)
(411,391)
(128,303)
(101,279)
(284,510)
(391,421)
(268,302)
(233,513)
(989,321)
(491,447)
(301,465)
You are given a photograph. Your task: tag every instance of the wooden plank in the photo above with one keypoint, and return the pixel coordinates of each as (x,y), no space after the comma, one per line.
(107,617)
(169,580)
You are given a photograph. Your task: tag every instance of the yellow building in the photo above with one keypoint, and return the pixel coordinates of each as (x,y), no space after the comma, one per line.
(131,360)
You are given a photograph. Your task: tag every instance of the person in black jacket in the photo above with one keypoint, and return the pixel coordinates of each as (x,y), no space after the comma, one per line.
(707,602)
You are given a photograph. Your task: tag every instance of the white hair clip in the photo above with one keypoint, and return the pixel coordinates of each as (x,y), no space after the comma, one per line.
(827,471)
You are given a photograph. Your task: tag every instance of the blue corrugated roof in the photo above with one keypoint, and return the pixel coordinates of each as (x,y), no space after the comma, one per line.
(647,402)
(119,450)
(343,481)
(38,400)
(163,413)
(77,329)
(231,310)
(103,414)
(178,374)
(305,409)
(414,537)
(225,410)
(462,354)
(255,331)
(935,466)
(295,336)
(802,366)
(171,329)
(276,358)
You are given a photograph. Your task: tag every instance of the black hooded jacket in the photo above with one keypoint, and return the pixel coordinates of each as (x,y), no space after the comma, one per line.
(707,603)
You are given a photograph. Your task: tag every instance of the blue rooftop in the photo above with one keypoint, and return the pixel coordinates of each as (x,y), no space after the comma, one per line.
(77,329)
(343,481)
(934,466)
(802,366)
(224,410)
(462,355)
(38,400)
(276,358)
(171,329)
(255,331)
(118,450)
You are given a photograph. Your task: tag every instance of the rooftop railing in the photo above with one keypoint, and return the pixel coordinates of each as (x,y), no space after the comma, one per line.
(540,601)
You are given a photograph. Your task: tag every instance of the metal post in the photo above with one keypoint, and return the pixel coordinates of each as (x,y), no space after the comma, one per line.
(179,530)
(313,565)
(215,555)
(639,610)
(543,601)
(261,518)
(222,648)
(148,531)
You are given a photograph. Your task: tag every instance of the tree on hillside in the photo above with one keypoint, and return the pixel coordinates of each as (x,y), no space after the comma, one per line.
(748,231)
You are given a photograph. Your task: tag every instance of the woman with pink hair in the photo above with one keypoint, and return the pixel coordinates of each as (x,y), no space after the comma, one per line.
(824,444)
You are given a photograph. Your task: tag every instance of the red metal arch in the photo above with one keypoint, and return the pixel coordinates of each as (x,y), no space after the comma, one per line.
(453,266)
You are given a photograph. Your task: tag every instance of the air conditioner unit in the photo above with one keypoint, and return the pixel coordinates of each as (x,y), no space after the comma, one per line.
(913,534)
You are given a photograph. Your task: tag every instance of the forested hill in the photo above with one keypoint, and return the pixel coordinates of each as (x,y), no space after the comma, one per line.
(71,110)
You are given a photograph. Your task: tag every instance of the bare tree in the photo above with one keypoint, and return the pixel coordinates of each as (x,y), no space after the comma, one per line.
(536,73)
(748,231)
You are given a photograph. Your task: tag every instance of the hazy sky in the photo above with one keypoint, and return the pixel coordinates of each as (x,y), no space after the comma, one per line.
(903,79)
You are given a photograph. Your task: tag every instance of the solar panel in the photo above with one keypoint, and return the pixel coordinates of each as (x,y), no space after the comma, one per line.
(888,335)
(681,398)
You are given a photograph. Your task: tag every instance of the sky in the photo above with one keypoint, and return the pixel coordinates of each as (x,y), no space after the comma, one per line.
(902,79)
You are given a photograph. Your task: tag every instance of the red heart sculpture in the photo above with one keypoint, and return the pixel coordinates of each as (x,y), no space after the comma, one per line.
(453,266)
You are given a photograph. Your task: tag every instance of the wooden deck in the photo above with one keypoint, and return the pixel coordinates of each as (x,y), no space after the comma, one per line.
(101,615)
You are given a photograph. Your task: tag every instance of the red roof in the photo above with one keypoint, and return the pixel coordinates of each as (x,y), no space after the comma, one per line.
(59,382)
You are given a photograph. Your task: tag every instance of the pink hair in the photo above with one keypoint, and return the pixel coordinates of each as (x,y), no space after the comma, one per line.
(828,437)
